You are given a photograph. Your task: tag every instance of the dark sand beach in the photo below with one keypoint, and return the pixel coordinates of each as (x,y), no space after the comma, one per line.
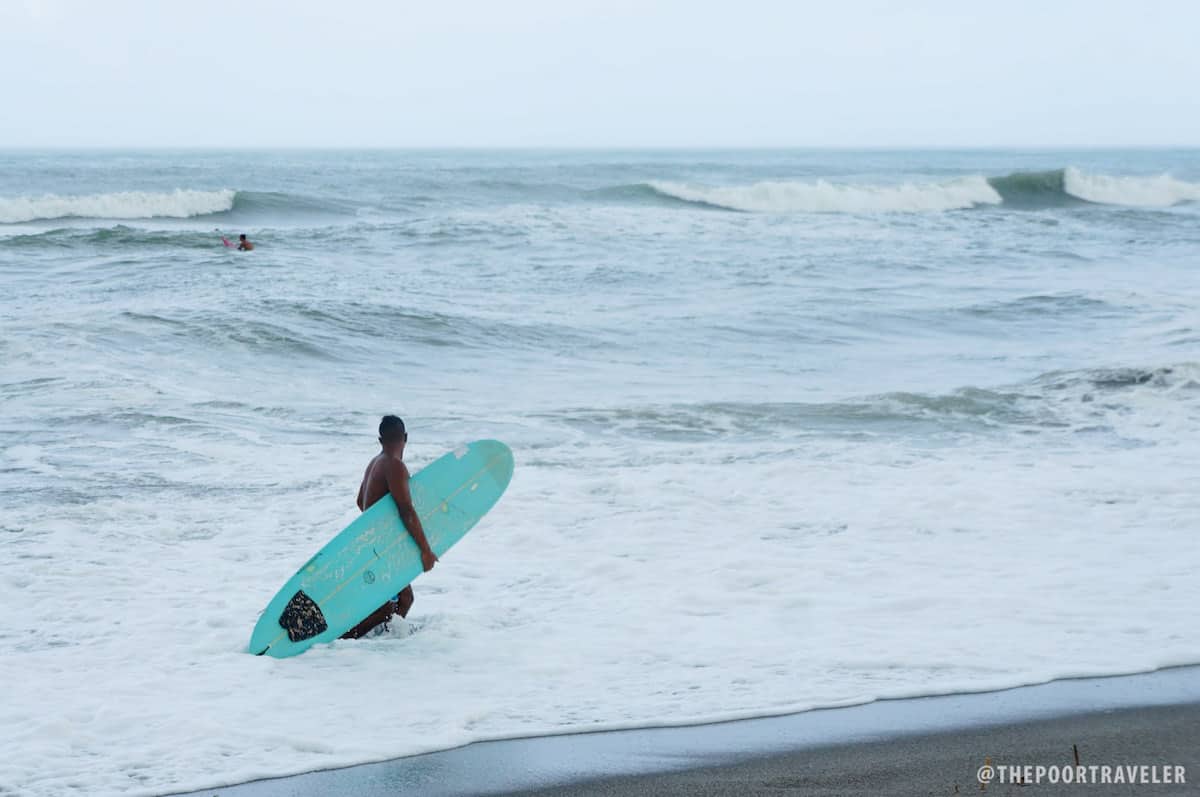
(948,763)
(920,746)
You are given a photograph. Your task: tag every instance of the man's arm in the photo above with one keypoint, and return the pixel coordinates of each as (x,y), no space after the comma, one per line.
(361,500)
(397,481)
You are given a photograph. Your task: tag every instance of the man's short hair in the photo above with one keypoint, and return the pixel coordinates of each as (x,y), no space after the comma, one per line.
(391,428)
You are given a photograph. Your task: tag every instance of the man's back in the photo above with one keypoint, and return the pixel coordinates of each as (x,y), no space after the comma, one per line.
(375,482)
(387,473)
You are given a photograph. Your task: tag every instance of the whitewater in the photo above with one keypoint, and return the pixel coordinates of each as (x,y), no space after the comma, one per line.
(791,429)
(822,196)
(819,196)
(179,204)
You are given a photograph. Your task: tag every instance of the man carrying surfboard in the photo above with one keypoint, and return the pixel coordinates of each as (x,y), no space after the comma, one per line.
(387,473)
(244,244)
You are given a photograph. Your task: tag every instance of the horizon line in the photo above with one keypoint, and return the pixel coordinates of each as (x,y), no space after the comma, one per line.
(591,147)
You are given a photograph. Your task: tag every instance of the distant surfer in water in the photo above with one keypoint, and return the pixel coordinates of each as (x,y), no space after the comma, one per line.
(387,473)
(244,244)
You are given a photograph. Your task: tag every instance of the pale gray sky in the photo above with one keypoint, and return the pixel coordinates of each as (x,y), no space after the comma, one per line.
(599,73)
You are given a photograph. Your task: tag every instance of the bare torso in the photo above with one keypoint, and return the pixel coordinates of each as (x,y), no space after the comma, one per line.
(387,473)
(374,483)
(375,486)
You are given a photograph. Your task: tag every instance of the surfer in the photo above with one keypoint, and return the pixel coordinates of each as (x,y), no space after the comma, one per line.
(244,244)
(387,473)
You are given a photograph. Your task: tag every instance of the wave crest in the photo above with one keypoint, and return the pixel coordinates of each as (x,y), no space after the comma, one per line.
(1158,191)
(825,197)
(1046,189)
(177,204)
(1058,402)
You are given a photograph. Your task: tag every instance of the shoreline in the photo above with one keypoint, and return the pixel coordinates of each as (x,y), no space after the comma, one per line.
(1101,745)
(912,744)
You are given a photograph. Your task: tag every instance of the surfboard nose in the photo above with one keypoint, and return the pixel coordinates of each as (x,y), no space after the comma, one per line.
(499,459)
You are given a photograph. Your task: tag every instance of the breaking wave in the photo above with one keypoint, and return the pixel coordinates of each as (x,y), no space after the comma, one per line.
(178,204)
(1065,187)
(1089,400)
(1053,188)
(825,197)
(1157,191)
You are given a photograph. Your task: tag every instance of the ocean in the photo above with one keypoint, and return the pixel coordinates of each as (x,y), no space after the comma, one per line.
(792,429)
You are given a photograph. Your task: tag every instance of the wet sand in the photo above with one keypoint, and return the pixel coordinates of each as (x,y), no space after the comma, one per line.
(948,763)
(919,746)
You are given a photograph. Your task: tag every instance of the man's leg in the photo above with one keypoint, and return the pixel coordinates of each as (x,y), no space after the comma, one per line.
(377,617)
(384,613)
(405,601)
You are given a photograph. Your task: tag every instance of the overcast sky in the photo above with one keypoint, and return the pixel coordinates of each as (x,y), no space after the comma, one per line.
(223,73)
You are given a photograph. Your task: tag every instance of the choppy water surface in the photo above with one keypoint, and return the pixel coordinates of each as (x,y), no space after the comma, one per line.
(792,429)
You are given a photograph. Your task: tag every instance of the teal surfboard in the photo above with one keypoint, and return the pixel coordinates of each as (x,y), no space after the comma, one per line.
(375,557)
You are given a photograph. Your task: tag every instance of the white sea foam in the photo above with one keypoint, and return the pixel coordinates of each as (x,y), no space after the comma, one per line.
(821,196)
(747,480)
(178,204)
(1161,190)
(622,592)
